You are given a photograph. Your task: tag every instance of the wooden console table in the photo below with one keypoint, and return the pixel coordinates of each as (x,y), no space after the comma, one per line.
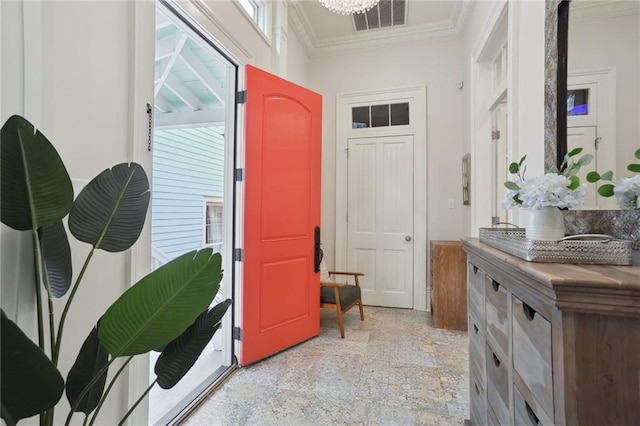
(552,344)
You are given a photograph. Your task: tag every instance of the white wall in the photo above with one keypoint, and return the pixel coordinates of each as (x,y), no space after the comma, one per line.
(613,42)
(298,63)
(439,67)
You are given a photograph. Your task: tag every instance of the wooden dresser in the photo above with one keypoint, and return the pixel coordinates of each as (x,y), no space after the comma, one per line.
(552,344)
(448,285)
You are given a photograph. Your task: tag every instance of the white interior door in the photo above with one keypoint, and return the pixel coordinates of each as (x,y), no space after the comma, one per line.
(380,218)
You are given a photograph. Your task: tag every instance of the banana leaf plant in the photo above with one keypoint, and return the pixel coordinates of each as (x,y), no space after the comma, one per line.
(166,311)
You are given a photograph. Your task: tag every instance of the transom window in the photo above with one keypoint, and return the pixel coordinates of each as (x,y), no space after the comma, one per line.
(256,11)
(380,115)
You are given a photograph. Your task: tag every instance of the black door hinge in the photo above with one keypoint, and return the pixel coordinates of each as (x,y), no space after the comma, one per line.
(237,334)
(239,175)
(241,97)
(238,255)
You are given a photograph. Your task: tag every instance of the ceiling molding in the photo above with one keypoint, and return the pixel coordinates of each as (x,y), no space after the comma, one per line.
(447,29)
(591,11)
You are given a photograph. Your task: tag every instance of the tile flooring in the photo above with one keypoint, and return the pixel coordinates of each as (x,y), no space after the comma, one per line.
(393,368)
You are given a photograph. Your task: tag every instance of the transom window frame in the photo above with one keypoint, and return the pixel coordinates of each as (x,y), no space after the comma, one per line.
(256,12)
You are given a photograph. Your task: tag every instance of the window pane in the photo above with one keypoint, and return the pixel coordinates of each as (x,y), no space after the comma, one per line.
(578,102)
(249,7)
(400,114)
(379,115)
(360,117)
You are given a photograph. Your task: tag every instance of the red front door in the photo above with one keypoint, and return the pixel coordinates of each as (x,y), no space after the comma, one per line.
(280,290)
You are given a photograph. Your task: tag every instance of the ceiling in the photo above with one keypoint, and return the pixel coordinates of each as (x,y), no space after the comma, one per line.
(325,33)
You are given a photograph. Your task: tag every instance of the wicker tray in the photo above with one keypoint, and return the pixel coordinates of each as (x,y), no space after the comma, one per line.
(592,249)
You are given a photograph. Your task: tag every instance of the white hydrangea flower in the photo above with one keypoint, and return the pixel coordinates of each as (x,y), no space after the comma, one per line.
(542,191)
(627,192)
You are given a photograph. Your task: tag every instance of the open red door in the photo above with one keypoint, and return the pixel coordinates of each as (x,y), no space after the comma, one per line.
(280,290)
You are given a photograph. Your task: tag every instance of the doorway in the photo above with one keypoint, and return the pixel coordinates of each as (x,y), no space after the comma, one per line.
(381,194)
(192,184)
(380,218)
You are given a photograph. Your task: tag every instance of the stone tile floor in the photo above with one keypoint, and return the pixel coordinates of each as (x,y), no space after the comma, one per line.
(393,368)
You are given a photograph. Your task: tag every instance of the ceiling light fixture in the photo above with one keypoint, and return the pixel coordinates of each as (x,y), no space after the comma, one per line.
(348,7)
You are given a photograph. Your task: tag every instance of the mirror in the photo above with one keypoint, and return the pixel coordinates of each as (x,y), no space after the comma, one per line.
(598,81)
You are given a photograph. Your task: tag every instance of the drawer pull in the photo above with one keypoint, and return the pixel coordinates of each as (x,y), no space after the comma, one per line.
(531,414)
(475,329)
(475,269)
(496,361)
(496,285)
(529,312)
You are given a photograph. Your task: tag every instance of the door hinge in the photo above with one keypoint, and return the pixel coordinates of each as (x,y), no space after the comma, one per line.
(597,142)
(237,334)
(495,135)
(239,175)
(241,97)
(238,255)
(150,127)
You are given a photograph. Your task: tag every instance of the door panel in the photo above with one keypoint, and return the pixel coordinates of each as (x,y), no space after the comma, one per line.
(585,137)
(380,218)
(281,291)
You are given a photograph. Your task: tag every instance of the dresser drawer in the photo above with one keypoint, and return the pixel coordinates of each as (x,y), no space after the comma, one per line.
(476,291)
(476,349)
(497,386)
(525,414)
(478,409)
(496,313)
(532,357)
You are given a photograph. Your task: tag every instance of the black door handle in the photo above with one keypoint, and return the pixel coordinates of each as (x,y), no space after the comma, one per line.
(317,251)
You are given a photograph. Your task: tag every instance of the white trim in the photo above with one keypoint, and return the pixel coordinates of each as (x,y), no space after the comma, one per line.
(261,26)
(417,98)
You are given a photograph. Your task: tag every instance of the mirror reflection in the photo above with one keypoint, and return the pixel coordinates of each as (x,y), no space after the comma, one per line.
(603,87)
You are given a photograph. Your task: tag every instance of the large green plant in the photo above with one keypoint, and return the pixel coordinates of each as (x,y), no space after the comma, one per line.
(166,311)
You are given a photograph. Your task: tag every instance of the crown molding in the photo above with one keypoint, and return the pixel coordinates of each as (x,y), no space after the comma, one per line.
(447,29)
(596,10)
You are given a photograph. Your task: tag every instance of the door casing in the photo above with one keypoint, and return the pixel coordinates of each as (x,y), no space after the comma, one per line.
(416,96)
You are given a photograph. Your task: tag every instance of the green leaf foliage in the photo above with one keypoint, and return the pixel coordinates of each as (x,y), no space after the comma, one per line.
(573,152)
(35,186)
(109,212)
(180,355)
(575,182)
(584,160)
(158,308)
(56,257)
(634,168)
(511,185)
(637,154)
(607,175)
(593,177)
(31,383)
(606,190)
(514,168)
(92,358)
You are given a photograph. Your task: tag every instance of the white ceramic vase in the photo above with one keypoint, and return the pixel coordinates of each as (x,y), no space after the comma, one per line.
(545,224)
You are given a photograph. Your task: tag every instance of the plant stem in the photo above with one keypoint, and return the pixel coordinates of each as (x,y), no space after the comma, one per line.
(133,407)
(56,352)
(106,392)
(36,270)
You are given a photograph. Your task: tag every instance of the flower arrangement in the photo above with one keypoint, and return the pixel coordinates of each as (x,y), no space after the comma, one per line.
(626,190)
(559,187)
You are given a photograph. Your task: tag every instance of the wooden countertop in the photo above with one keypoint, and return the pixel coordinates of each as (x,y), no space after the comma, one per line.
(610,289)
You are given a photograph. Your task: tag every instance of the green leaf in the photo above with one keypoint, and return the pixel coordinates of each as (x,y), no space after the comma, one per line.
(573,152)
(31,384)
(575,182)
(92,358)
(524,157)
(513,168)
(606,190)
(179,356)
(634,168)
(511,185)
(110,211)
(158,308)
(56,257)
(553,169)
(637,154)
(585,159)
(607,175)
(35,186)
(593,177)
